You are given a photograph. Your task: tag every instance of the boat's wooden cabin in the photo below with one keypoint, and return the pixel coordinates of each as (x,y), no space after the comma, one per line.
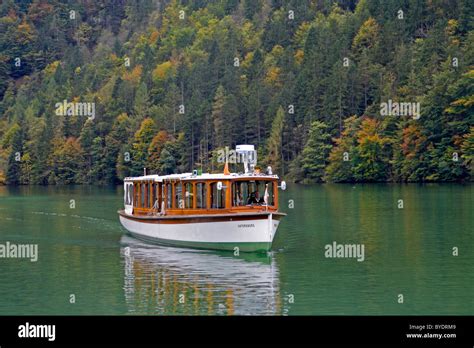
(200,194)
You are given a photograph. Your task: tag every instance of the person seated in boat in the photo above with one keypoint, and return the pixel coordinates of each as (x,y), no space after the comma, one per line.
(253,198)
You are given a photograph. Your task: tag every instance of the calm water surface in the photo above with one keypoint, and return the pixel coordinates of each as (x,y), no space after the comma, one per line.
(83,251)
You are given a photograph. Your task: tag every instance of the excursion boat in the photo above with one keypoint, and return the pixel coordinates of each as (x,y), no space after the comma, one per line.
(225,211)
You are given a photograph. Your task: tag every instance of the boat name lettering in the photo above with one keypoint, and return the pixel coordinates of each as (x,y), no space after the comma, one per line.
(246,225)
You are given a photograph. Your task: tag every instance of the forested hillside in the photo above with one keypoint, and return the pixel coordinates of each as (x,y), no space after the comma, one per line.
(171,82)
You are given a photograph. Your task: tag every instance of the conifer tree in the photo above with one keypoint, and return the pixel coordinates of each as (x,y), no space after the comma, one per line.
(142,139)
(218,117)
(316,152)
(14,159)
(274,145)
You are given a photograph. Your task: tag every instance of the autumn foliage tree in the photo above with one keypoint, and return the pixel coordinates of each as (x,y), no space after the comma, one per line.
(169,90)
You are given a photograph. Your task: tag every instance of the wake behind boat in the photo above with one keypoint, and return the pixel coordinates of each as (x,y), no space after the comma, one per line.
(226,211)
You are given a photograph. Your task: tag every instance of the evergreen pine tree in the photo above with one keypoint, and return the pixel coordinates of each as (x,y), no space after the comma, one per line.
(316,152)
(274,145)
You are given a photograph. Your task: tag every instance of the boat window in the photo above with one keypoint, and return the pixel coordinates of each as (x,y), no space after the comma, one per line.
(130,194)
(153,201)
(136,194)
(189,195)
(148,194)
(255,193)
(239,193)
(142,196)
(158,196)
(270,188)
(217,197)
(251,192)
(126,195)
(201,195)
(178,194)
(260,191)
(128,191)
(169,195)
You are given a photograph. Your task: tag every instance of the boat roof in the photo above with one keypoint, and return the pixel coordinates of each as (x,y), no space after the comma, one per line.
(203,176)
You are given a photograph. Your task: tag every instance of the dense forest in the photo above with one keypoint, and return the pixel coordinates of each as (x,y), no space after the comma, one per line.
(168,83)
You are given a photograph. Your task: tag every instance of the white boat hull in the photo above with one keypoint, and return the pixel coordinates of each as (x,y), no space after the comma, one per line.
(249,234)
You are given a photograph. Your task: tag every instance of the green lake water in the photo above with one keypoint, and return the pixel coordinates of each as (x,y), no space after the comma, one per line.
(83,251)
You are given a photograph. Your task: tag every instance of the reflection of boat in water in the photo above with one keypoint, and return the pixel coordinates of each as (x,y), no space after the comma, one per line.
(175,281)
